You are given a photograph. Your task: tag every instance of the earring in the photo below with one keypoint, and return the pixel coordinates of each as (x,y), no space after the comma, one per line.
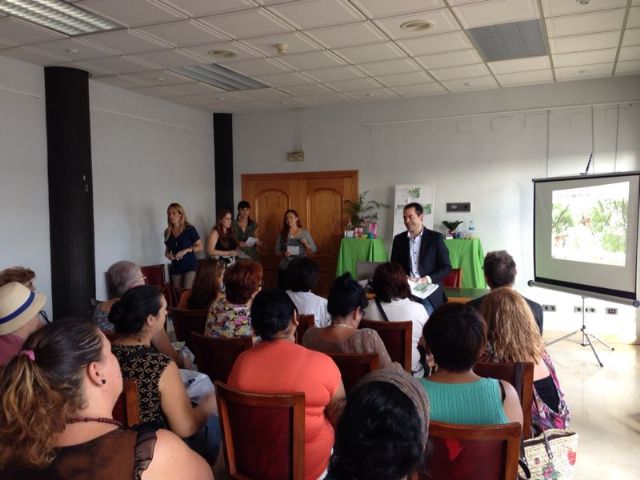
(104,381)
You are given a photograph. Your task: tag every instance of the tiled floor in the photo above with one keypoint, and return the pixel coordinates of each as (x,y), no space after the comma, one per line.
(605,407)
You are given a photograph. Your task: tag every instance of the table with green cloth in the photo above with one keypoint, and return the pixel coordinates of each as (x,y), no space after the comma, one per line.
(353,250)
(467,254)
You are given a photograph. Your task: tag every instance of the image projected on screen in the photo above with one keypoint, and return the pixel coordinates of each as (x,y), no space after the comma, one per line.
(589,224)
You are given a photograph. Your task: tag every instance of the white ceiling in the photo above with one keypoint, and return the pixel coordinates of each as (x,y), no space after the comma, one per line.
(339,51)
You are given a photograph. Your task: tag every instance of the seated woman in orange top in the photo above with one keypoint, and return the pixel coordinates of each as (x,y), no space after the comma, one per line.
(278,364)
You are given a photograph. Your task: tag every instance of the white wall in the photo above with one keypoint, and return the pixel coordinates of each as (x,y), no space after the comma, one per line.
(475,148)
(24,193)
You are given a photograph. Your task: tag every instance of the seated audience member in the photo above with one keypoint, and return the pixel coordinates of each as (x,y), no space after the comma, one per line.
(512,336)
(500,271)
(22,275)
(55,420)
(347,301)
(206,286)
(229,316)
(454,337)
(19,309)
(121,276)
(382,432)
(278,364)
(164,403)
(302,277)
(393,303)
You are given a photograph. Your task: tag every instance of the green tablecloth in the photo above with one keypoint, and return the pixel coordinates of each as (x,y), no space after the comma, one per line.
(469,256)
(359,250)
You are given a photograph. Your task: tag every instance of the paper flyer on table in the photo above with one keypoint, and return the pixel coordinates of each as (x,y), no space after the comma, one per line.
(422,289)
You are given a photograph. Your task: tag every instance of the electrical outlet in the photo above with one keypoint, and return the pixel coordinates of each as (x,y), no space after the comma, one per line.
(590,310)
(577,309)
(549,308)
(611,311)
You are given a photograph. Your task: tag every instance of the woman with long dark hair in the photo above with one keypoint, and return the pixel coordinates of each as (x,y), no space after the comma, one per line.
(222,242)
(293,241)
(206,287)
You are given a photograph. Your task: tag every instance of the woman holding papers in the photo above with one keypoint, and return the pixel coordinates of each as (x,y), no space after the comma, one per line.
(244,228)
(222,243)
(293,241)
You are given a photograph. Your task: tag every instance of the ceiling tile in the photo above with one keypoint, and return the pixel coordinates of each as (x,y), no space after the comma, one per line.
(132,14)
(389,67)
(584,71)
(467,71)
(241,51)
(450,59)
(436,43)
(247,24)
(628,68)
(355,84)
(634,17)
(443,21)
(284,79)
(198,8)
(466,84)
(520,65)
(160,92)
(631,36)
(386,8)
(579,43)
(296,43)
(317,13)
(335,74)
(124,42)
(526,78)
(258,66)
(93,70)
(496,12)
(156,78)
(174,58)
(118,81)
(71,49)
(32,55)
(375,94)
(183,34)
(554,8)
(629,53)
(120,64)
(311,60)
(16,32)
(308,90)
(349,35)
(400,79)
(584,58)
(371,53)
(196,88)
(331,99)
(263,94)
(420,89)
(587,23)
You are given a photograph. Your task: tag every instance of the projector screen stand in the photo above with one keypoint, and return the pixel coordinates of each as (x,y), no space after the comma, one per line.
(586,338)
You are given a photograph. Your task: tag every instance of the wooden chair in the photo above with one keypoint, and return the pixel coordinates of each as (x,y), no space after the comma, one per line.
(396,336)
(520,375)
(305,322)
(155,274)
(262,434)
(216,356)
(354,366)
(481,452)
(453,279)
(127,408)
(187,321)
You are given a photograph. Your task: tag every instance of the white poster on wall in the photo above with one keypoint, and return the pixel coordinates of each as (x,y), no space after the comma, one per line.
(422,194)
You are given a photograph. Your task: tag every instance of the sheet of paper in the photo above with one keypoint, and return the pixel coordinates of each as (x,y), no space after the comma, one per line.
(293,250)
(422,289)
(250,242)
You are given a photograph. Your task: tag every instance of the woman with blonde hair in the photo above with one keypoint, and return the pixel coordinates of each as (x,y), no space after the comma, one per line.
(55,415)
(513,336)
(182,241)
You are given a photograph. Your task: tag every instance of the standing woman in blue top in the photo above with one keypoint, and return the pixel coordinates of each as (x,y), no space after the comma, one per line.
(182,242)
(293,241)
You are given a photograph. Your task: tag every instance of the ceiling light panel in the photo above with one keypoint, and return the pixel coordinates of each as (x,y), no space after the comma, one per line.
(509,40)
(307,14)
(133,14)
(496,12)
(57,15)
(386,8)
(220,77)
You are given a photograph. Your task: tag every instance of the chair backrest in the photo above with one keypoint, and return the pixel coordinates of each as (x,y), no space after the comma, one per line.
(520,375)
(305,322)
(155,274)
(170,295)
(127,408)
(187,321)
(396,336)
(453,279)
(262,434)
(354,366)
(481,452)
(216,356)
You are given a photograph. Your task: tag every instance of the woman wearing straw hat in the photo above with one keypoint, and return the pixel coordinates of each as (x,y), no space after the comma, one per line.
(19,308)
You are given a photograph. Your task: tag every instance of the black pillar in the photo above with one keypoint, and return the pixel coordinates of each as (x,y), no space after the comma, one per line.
(70,191)
(223,151)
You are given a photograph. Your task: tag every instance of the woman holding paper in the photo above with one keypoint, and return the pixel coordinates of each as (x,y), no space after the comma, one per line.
(293,241)
(244,228)
(222,243)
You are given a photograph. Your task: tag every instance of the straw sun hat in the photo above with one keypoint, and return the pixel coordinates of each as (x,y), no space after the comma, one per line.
(18,305)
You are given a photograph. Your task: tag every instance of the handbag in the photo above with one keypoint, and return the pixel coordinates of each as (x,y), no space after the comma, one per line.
(549,456)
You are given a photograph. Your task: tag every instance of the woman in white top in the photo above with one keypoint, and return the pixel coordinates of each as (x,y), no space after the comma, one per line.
(302,276)
(394,303)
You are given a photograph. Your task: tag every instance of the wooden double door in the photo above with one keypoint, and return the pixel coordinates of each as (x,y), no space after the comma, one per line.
(318,197)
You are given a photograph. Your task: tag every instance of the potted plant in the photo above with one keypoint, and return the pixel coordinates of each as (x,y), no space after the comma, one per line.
(451,226)
(362,212)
